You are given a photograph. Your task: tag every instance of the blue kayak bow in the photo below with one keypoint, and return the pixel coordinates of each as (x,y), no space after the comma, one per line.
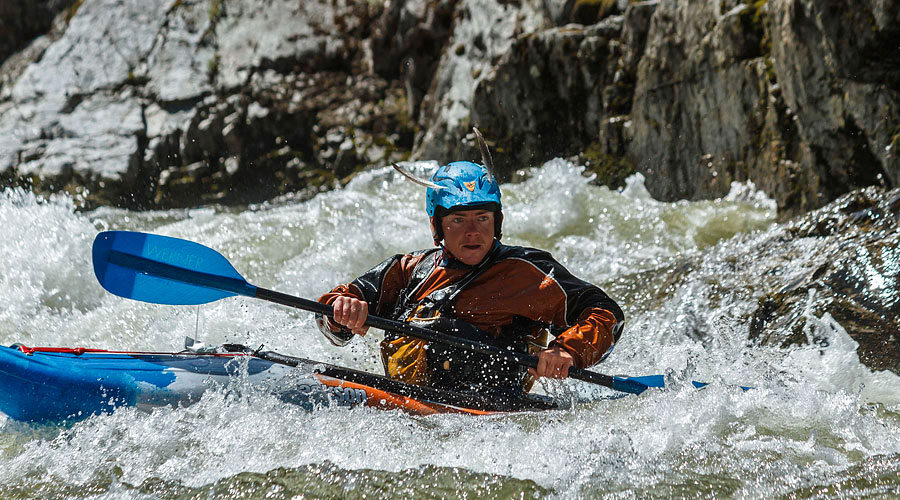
(166,270)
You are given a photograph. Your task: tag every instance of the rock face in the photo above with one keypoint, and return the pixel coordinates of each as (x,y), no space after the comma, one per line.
(767,92)
(854,275)
(793,283)
(178,102)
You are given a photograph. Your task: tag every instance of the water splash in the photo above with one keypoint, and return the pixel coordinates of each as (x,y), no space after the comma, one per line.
(681,270)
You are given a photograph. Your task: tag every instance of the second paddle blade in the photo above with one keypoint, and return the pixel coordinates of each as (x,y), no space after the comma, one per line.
(164,270)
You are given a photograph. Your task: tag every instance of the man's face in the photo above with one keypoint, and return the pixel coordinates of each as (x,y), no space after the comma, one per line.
(469,234)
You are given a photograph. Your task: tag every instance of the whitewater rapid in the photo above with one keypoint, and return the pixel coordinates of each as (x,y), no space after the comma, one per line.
(817,421)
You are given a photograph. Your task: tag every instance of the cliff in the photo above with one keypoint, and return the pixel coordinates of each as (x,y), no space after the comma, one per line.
(177,102)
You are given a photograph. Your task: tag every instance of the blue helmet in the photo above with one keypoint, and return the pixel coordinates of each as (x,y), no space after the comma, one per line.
(463,184)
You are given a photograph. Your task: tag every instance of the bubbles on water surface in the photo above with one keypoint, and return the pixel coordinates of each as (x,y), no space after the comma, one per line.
(815,414)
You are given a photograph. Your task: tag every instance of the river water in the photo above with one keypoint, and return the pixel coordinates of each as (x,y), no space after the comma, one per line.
(817,424)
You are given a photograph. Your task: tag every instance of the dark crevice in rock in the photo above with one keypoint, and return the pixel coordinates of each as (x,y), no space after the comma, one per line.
(865,51)
(21,21)
(864,168)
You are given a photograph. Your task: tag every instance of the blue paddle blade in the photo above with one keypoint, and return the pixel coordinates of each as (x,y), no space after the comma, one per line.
(164,270)
(659,381)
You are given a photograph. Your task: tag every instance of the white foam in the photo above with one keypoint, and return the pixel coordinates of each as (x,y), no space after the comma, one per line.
(830,361)
(807,417)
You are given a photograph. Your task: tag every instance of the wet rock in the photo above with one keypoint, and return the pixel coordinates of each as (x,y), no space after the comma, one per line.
(571,90)
(855,279)
(130,112)
(407,44)
(287,37)
(94,146)
(836,67)
(553,91)
(183,63)
(78,109)
(702,95)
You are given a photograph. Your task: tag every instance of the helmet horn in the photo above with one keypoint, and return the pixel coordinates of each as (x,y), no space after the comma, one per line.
(485,153)
(416,180)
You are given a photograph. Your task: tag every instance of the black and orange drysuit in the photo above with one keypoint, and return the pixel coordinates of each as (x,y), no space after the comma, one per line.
(510,297)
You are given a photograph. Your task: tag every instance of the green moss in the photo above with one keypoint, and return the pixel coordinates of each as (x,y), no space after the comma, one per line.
(759,13)
(759,20)
(400,113)
(610,170)
(212,68)
(770,69)
(73,10)
(215,10)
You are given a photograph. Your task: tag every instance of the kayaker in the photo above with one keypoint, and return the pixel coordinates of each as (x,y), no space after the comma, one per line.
(474,286)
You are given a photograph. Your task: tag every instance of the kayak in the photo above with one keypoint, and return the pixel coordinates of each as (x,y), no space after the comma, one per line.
(64,384)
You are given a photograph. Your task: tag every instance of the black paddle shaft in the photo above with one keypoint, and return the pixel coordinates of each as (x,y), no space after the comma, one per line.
(432,336)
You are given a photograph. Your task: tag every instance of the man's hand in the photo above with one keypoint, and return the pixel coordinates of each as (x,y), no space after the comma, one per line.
(351,313)
(553,363)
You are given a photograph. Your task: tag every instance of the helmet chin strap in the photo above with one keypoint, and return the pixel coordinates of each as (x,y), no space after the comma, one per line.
(436,232)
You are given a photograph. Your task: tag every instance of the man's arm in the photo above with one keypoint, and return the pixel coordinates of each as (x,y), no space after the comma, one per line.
(592,337)
(376,290)
(591,321)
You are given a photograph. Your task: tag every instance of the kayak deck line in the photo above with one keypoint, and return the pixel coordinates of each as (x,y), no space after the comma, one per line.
(67,384)
(494,402)
(81,350)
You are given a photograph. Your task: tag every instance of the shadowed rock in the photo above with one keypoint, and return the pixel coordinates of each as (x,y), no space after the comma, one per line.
(276,96)
(854,276)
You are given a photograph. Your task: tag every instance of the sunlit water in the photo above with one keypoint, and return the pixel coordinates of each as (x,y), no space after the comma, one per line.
(817,424)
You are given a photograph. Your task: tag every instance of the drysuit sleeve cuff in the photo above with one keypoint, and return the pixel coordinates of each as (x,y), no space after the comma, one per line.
(335,333)
(338,336)
(591,339)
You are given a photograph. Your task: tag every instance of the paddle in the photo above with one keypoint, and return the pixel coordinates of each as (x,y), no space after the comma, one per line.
(166,270)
